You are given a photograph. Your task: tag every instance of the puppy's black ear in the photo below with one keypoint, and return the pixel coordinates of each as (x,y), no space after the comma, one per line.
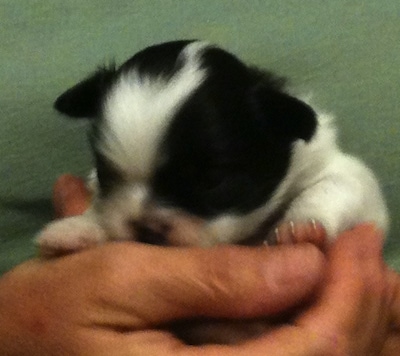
(283,115)
(84,99)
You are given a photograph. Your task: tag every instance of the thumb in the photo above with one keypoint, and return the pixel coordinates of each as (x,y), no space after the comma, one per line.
(162,285)
(350,315)
(70,196)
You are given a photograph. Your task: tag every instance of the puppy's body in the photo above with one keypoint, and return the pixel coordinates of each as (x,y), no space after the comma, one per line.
(193,147)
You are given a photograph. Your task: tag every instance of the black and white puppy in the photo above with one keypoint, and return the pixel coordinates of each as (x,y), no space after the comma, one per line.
(193,147)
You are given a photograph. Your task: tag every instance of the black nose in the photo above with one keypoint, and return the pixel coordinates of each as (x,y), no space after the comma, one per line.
(153,234)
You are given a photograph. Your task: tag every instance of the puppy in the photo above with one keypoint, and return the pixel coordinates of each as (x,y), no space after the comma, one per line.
(194,147)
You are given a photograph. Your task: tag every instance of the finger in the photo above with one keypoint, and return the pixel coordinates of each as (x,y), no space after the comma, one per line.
(70,196)
(352,302)
(101,342)
(150,285)
(283,342)
(301,232)
(392,343)
(155,343)
(394,286)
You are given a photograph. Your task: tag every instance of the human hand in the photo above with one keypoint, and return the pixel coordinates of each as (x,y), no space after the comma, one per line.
(304,232)
(391,346)
(112,299)
(351,315)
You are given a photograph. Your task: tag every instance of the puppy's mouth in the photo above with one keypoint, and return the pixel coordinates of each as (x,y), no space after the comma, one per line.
(167,229)
(152,232)
(183,230)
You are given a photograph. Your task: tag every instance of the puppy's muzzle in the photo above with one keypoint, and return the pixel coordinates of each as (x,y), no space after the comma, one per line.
(151,232)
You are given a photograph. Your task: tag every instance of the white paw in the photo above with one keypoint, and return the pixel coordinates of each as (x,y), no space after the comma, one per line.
(69,235)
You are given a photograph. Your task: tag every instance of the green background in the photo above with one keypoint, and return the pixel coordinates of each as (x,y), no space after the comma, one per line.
(347,53)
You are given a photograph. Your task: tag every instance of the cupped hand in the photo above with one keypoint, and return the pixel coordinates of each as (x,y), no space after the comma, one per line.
(115,299)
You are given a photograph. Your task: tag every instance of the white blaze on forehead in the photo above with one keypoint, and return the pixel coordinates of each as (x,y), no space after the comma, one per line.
(139,108)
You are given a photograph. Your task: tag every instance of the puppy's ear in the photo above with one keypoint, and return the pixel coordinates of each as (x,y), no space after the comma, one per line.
(84,99)
(283,115)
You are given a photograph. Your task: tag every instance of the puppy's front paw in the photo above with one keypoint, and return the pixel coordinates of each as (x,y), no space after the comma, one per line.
(68,235)
(290,232)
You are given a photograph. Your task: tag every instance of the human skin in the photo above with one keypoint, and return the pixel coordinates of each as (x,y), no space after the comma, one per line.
(113,299)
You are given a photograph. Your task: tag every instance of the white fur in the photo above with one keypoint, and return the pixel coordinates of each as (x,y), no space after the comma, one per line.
(140,107)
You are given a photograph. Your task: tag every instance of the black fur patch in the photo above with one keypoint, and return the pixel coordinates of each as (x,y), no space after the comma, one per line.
(229,146)
(159,60)
(84,99)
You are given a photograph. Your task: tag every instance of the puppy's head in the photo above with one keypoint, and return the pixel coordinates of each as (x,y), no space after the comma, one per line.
(190,144)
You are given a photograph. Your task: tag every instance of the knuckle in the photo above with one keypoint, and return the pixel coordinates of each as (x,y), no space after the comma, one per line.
(110,263)
(232,273)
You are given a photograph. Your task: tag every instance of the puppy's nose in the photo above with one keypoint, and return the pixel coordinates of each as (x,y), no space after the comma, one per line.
(153,233)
